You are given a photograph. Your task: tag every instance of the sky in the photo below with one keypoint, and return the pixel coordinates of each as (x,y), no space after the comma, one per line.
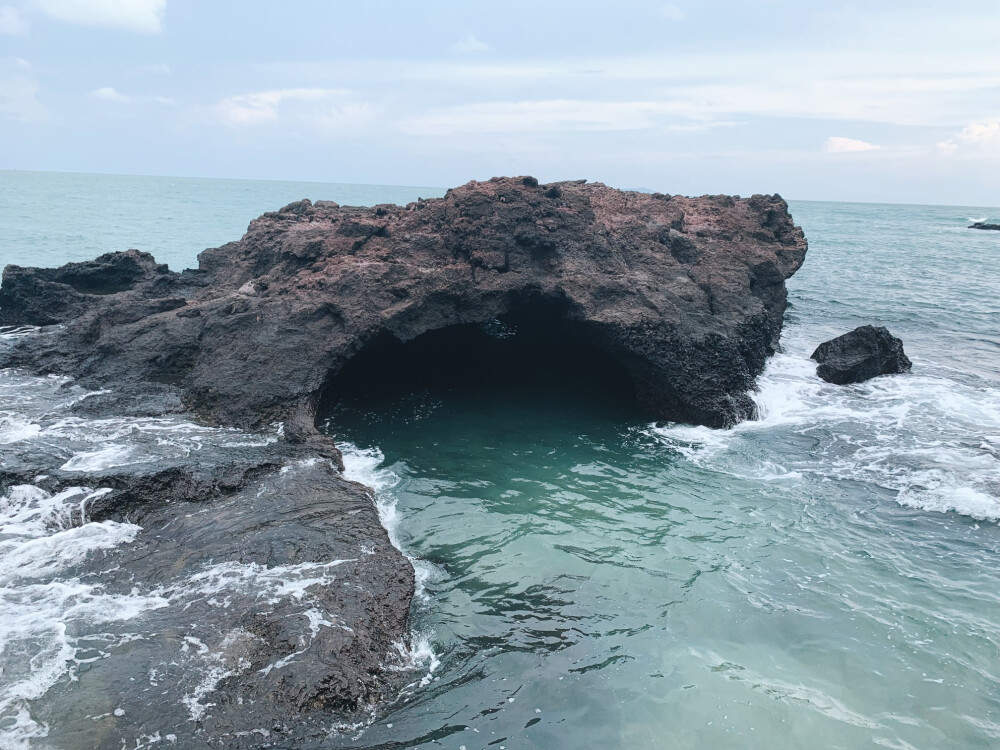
(879,101)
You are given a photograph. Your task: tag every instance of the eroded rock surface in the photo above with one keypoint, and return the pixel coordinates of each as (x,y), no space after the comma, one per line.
(687,294)
(864,353)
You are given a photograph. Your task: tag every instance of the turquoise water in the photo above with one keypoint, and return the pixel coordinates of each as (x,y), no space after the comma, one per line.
(823,576)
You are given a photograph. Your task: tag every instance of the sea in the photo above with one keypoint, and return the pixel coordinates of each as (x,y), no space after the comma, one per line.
(826,575)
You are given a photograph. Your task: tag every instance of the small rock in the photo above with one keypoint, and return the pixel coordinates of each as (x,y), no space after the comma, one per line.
(984,225)
(862,354)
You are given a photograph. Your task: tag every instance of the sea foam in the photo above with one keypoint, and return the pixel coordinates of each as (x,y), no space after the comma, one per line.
(908,434)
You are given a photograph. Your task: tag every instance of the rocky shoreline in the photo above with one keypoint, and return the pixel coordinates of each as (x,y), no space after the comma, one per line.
(684,296)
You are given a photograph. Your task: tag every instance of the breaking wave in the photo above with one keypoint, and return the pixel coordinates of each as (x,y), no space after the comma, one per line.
(930,438)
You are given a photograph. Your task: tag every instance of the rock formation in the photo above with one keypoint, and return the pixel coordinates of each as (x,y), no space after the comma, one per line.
(264,509)
(864,353)
(685,295)
(984,225)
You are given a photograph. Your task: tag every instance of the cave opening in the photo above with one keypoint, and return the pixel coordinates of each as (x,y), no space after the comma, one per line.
(533,352)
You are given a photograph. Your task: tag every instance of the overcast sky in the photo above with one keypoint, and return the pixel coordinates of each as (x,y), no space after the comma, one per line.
(900,103)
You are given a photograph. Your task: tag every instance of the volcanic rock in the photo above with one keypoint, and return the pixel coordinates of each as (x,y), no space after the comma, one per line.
(984,225)
(687,294)
(860,355)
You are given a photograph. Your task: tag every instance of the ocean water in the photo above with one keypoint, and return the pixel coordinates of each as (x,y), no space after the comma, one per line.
(51,218)
(825,575)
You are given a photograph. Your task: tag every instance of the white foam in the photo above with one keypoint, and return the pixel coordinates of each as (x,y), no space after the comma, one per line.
(317,619)
(14,430)
(96,445)
(965,500)
(43,536)
(418,655)
(210,681)
(48,555)
(11,333)
(40,539)
(34,625)
(269,585)
(911,434)
(215,667)
(99,460)
(365,465)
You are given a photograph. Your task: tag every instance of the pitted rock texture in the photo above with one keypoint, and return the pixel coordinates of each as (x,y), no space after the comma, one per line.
(687,294)
(864,353)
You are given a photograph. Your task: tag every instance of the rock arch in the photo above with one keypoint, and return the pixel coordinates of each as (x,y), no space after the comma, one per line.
(532,342)
(687,294)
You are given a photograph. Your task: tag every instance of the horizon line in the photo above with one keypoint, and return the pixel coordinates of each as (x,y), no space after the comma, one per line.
(443,189)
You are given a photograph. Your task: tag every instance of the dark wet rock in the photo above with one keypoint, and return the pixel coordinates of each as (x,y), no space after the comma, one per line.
(45,296)
(280,590)
(131,400)
(686,293)
(984,225)
(860,355)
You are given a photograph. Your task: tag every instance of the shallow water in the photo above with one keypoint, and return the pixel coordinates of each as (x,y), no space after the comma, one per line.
(824,575)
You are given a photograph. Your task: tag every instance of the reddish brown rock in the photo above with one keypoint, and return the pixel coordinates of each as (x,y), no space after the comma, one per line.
(687,294)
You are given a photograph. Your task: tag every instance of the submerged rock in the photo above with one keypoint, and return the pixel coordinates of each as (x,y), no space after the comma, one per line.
(984,225)
(685,296)
(864,353)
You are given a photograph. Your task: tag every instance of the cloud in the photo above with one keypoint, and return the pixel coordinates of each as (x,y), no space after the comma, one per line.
(671,12)
(544,116)
(469,44)
(984,134)
(141,16)
(898,89)
(979,138)
(19,92)
(838,145)
(326,110)
(11,23)
(109,94)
